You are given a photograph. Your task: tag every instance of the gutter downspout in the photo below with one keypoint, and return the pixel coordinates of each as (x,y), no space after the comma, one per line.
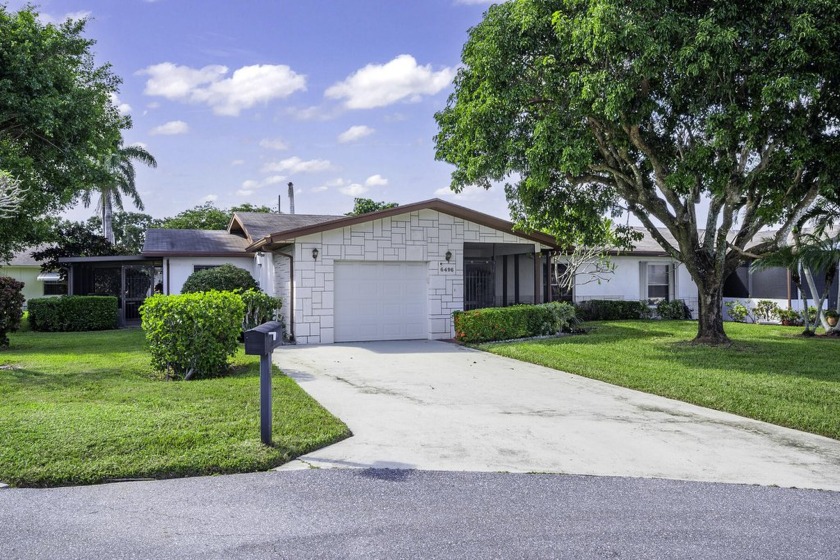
(291,293)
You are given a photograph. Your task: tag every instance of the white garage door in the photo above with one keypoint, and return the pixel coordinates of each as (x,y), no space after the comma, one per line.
(380,301)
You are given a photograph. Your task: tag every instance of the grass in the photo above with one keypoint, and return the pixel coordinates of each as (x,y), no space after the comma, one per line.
(768,373)
(82,408)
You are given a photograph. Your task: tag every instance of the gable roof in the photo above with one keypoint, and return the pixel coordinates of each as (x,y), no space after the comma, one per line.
(23,258)
(257,225)
(292,231)
(193,242)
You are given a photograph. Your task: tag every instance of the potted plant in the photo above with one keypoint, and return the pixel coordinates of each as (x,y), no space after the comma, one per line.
(789,317)
(831,317)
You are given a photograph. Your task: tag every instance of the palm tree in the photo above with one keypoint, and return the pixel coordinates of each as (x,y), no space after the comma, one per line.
(120,173)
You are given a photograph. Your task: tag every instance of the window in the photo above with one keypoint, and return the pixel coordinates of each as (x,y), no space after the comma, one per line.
(55,288)
(656,282)
(198,267)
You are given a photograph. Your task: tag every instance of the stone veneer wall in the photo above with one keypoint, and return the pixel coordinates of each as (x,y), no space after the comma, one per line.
(423,236)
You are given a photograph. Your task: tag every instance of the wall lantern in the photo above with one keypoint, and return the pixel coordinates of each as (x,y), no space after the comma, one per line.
(448,256)
(315,254)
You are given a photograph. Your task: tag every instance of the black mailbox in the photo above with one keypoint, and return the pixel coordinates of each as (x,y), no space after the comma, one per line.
(262,340)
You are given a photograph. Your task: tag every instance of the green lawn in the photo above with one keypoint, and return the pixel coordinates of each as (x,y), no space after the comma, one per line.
(769,373)
(80,408)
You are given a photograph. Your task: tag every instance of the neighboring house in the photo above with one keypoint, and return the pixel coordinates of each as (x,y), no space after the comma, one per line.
(647,273)
(37,284)
(393,274)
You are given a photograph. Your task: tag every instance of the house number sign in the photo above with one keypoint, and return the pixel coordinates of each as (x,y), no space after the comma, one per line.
(447,267)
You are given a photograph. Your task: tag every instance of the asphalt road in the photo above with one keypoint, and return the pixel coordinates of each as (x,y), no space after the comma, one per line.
(418,514)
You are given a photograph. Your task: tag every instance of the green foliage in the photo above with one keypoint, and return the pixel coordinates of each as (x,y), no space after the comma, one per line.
(611,310)
(73,239)
(766,310)
(367,205)
(673,310)
(586,108)
(790,317)
(11,307)
(518,321)
(739,312)
(192,335)
(119,180)
(207,216)
(56,117)
(259,308)
(129,229)
(225,278)
(73,313)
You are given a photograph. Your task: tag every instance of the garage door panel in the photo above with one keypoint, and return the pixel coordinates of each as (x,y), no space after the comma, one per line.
(380,301)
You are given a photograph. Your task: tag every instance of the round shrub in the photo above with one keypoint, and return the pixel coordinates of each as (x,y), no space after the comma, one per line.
(11,307)
(225,278)
(192,335)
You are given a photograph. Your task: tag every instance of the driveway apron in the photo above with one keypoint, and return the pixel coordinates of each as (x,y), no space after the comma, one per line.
(437,406)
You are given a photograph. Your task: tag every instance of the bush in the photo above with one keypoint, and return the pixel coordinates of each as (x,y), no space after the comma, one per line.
(73,313)
(518,321)
(225,278)
(611,310)
(259,308)
(739,312)
(790,317)
(766,310)
(11,307)
(192,335)
(673,310)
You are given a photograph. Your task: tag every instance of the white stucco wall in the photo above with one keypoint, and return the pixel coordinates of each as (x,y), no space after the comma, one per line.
(423,236)
(624,283)
(180,268)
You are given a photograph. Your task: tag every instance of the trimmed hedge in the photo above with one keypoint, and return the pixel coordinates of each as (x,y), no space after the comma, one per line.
(11,307)
(518,321)
(193,335)
(73,313)
(676,309)
(225,278)
(611,310)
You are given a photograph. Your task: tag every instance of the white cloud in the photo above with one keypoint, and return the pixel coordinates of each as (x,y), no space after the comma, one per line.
(294,165)
(321,188)
(354,189)
(313,113)
(248,187)
(122,108)
(238,162)
(274,144)
(378,85)
(171,128)
(210,85)
(210,198)
(355,133)
(273,180)
(376,181)
(55,20)
(470,193)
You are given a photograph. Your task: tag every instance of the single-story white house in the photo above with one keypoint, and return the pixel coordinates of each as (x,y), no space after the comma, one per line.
(393,274)
(23,268)
(648,273)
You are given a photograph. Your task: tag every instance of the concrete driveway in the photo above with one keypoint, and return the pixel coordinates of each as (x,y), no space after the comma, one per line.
(438,406)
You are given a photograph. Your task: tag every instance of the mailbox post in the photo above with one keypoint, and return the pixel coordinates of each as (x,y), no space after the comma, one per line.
(262,341)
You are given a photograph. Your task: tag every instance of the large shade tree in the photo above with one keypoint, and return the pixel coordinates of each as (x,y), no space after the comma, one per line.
(669,110)
(56,120)
(118,180)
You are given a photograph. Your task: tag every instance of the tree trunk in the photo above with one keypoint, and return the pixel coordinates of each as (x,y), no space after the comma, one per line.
(107,219)
(710,313)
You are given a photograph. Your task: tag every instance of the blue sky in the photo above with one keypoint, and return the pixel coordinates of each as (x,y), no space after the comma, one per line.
(236,99)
